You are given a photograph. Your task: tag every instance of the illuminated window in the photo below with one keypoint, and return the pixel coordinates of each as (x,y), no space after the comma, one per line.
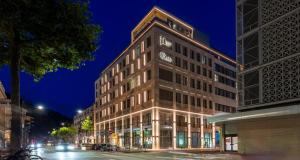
(139,98)
(142,46)
(138,64)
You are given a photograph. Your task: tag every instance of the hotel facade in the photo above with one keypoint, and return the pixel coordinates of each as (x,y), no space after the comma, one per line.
(158,92)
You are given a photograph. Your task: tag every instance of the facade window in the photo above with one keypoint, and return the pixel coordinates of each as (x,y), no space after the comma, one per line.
(204,103)
(184,51)
(198,102)
(198,85)
(192,67)
(148,41)
(209,62)
(192,54)
(148,75)
(184,64)
(192,83)
(184,80)
(177,48)
(165,75)
(165,95)
(204,60)
(178,78)
(177,61)
(210,105)
(210,88)
(204,72)
(148,95)
(198,69)
(178,97)
(225,71)
(198,57)
(224,93)
(148,56)
(137,51)
(185,99)
(210,74)
(204,86)
(192,100)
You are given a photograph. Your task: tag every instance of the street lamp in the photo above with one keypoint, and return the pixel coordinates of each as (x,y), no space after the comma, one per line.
(79,111)
(40,107)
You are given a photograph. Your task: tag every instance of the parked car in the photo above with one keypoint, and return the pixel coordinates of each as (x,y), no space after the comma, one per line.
(105,147)
(115,148)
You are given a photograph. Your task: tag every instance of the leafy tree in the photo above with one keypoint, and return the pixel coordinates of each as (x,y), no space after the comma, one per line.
(87,125)
(42,36)
(64,133)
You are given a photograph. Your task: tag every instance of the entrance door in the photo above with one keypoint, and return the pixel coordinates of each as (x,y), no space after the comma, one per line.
(231,143)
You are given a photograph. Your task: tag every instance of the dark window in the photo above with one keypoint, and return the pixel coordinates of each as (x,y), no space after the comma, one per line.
(204,86)
(198,57)
(198,84)
(185,99)
(198,68)
(178,97)
(178,78)
(149,41)
(148,56)
(210,105)
(165,95)
(210,88)
(209,62)
(224,93)
(210,74)
(177,48)
(192,83)
(225,71)
(198,102)
(184,51)
(177,61)
(148,74)
(192,99)
(184,64)
(192,67)
(184,80)
(192,54)
(204,103)
(165,75)
(204,70)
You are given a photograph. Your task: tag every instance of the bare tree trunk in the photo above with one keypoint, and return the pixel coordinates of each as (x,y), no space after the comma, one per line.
(15,97)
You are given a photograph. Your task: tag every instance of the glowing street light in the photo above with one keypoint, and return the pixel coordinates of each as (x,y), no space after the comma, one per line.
(79,111)
(40,107)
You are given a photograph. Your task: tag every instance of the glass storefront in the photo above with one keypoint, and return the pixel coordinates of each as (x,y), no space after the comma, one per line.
(147,139)
(181,139)
(196,140)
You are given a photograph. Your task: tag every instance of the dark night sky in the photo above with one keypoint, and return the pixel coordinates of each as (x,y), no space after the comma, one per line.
(66,91)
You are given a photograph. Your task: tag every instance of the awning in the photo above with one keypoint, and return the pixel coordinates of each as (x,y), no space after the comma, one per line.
(270,112)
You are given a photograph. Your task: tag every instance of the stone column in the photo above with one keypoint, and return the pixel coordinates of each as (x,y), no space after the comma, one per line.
(122,133)
(130,131)
(104,136)
(202,132)
(174,130)
(189,130)
(157,128)
(153,129)
(141,129)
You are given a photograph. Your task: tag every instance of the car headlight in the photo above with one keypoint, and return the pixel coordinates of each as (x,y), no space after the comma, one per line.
(60,147)
(32,145)
(39,145)
(70,147)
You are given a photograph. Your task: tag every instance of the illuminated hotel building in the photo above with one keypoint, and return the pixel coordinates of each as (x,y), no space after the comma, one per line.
(160,90)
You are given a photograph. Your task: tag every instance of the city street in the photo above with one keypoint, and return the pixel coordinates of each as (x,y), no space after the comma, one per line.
(87,155)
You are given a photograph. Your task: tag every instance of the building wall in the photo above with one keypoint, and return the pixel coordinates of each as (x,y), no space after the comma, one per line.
(278,136)
(140,92)
(268,39)
(5,116)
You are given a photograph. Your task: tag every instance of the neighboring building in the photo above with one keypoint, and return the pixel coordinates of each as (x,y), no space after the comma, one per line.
(160,90)
(83,136)
(5,117)
(268,47)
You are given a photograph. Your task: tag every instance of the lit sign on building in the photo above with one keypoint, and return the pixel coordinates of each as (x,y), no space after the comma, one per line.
(165,57)
(164,41)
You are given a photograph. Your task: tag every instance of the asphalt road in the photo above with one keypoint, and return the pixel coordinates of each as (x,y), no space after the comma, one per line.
(93,155)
